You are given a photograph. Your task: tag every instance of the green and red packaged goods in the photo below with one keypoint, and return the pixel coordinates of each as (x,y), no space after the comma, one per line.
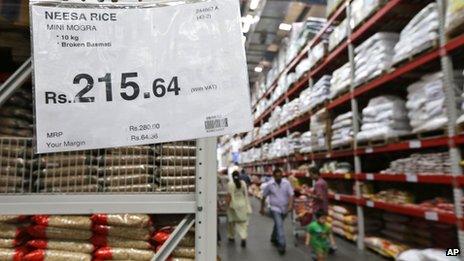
(89,238)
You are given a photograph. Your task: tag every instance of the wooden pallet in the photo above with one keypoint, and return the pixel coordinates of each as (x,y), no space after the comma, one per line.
(434,45)
(349,146)
(377,142)
(425,135)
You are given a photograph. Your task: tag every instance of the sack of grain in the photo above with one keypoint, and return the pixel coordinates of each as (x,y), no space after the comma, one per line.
(108,253)
(12,254)
(119,242)
(126,220)
(112,160)
(188,252)
(71,188)
(67,171)
(177,170)
(12,218)
(131,150)
(69,246)
(178,160)
(56,255)
(45,232)
(11,231)
(77,180)
(55,161)
(175,150)
(126,179)
(126,169)
(124,232)
(161,236)
(9,243)
(131,188)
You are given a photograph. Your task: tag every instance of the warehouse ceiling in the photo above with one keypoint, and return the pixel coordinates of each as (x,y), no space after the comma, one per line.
(261,20)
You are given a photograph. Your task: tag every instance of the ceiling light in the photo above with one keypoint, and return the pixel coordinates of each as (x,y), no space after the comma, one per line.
(258,69)
(285,27)
(254,4)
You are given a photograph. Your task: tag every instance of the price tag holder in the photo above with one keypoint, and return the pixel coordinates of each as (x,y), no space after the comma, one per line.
(369,150)
(370,204)
(431,215)
(347,176)
(337,197)
(370,176)
(415,144)
(411,178)
(134,73)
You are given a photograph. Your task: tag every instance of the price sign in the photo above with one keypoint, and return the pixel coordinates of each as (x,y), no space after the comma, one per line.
(411,178)
(431,215)
(369,150)
(370,203)
(370,176)
(107,75)
(337,197)
(415,144)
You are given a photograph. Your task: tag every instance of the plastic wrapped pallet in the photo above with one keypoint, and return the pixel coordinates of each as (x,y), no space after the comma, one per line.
(454,15)
(421,163)
(362,9)
(339,34)
(320,92)
(317,53)
(374,56)
(301,68)
(342,130)
(419,34)
(427,102)
(304,100)
(320,130)
(306,142)
(340,82)
(384,117)
(289,111)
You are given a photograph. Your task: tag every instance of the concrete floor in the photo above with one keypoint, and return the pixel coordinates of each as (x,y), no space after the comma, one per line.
(259,247)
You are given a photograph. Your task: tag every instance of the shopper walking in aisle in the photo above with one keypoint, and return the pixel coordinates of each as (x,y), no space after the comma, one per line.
(280,194)
(236,145)
(320,191)
(319,236)
(238,209)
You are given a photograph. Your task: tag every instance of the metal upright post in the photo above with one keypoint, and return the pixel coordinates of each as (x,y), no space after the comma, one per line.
(356,120)
(452,113)
(206,198)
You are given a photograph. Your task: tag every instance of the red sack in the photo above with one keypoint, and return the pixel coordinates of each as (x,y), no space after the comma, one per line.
(42,255)
(41,220)
(161,236)
(37,243)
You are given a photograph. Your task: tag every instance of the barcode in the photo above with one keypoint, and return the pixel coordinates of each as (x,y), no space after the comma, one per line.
(216,124)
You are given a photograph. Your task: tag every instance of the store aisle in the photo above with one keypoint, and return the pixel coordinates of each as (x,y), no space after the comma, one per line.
(259,247)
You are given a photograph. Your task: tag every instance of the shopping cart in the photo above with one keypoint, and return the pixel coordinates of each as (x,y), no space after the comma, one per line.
(301,217)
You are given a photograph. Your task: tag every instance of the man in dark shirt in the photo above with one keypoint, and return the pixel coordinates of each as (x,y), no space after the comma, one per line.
(320,192)
(244,176)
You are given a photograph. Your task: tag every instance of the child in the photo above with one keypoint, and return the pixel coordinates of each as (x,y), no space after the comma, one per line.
(319,236)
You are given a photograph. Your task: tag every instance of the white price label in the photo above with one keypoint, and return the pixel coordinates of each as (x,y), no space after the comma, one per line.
(107,75)
(337,197)
(370,176)
(327,155)
(370,204)
(369,150)
(415,144)
(431,215)
(411,178)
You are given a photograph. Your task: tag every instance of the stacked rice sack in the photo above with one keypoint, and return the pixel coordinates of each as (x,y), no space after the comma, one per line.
(177,166)
(14,166)
(320,92)
(341,80)
(384,117)
(128,169)
(344,221)
(16,117)
(122,237)
(419,34)
(64,173)
(96,237)
(12,237)
(60,238)
(320,130)
(342,130)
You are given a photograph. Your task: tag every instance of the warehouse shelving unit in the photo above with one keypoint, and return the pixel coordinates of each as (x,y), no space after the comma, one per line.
(438,57)
(198,205)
